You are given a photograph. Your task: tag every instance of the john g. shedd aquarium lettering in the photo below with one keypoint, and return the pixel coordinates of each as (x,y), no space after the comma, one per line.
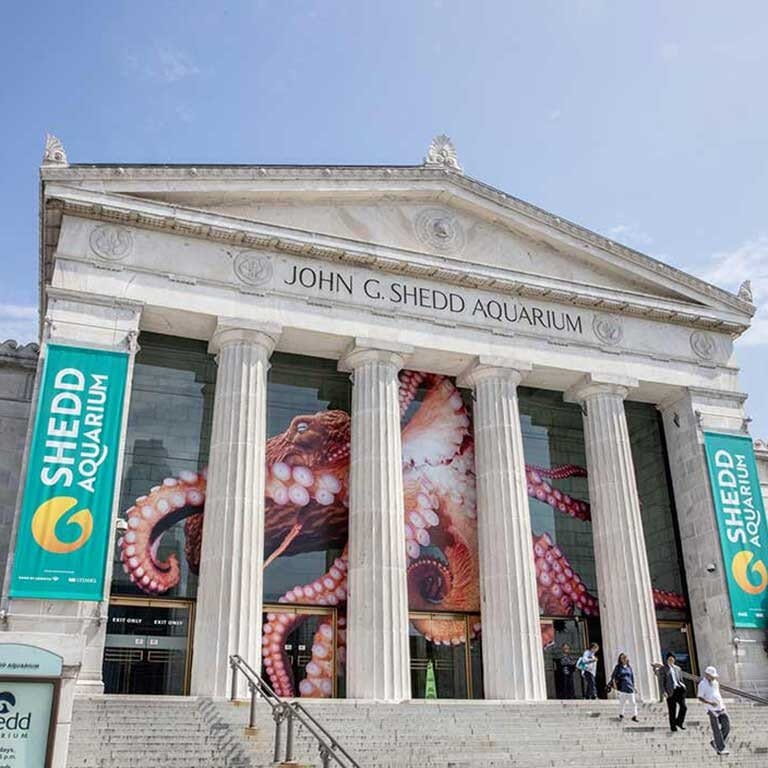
(403,294)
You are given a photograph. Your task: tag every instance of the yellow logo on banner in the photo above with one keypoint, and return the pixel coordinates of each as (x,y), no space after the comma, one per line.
(46,517)
(740,568)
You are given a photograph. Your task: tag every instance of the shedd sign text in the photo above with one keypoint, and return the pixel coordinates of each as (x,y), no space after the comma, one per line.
(421,296)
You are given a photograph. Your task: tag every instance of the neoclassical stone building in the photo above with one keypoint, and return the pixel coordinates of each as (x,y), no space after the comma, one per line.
(388,431)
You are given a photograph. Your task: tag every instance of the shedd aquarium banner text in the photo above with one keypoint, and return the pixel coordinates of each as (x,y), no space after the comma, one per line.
(63,533)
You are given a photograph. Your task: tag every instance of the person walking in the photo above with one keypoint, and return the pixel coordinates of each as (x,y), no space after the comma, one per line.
(587,665)
(709,694)
(623,679)
(673,688)
(566,666)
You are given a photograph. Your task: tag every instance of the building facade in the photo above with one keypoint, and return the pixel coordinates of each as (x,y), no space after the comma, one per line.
(388,433)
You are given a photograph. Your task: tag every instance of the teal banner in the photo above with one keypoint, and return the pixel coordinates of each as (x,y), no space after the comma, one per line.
(741,522)
(64,526)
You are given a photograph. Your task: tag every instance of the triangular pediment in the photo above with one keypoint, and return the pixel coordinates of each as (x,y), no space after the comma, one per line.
(447,218)
(454,234)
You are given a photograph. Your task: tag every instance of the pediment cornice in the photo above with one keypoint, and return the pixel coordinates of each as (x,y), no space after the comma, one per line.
(340,179)
(188,222)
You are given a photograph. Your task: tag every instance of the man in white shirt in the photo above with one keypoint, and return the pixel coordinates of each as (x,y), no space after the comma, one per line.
(587,664)
(709,694)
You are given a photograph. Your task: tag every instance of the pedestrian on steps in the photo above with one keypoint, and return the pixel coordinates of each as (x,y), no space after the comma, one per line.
(566,668)
(623,679)
(709,694)
(587,665)
(673,688)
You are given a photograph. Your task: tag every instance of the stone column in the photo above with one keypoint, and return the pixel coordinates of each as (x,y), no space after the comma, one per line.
(685,416)
(378,654)
(513,662)
(627,615)
(228,617)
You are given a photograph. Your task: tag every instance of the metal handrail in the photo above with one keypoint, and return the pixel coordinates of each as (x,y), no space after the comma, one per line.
(723,687)
(287,711)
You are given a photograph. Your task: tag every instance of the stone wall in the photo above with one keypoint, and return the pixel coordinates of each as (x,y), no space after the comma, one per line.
(17,379)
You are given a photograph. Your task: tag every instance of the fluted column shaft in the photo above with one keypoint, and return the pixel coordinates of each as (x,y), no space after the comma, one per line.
(627,615)
(378,655)
(513,662)
(229,599)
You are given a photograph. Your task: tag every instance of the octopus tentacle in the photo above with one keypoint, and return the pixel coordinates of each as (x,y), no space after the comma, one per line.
(559,473)
(409,386)
(421,505)
(437,430)
(560,589)
(539,488)
(669,600)
(330,589)
(165,505)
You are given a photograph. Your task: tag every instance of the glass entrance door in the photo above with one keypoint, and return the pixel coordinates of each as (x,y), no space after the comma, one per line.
(564,641)
(443,664)
(302,653)
(148,646)
(675,637)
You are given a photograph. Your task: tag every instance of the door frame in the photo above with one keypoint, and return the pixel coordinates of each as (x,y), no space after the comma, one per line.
(466,618)
(310,610)
(685,629)
(153,602)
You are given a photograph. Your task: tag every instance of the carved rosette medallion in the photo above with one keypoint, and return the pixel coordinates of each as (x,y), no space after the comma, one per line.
(440,229)
(111,242)
(704,345)
(253,268)
(608,329)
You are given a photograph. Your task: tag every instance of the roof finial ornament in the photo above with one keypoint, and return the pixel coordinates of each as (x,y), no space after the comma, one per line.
(54,151)
(745,291)
(442,154)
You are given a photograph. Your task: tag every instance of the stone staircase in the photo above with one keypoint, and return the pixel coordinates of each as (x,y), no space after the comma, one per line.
(161,731)
(132,731)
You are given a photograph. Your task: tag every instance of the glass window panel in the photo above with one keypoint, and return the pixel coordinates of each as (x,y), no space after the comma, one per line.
(657,510)
(168,432)
(558,491)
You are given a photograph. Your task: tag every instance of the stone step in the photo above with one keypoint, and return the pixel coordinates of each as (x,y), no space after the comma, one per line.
(133,732)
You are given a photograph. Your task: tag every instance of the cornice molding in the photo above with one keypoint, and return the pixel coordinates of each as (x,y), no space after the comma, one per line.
(13,353)
(151,215)
(450,178)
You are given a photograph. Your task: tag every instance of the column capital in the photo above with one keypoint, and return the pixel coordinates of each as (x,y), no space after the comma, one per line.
(81,318)
(492,367)
(599,384)
(364,350)
(231,330)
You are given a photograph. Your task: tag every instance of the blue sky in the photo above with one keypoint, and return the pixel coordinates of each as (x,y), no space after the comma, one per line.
(645,121)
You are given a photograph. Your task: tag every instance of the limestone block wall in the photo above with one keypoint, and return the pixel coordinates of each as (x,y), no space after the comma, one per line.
(18,364)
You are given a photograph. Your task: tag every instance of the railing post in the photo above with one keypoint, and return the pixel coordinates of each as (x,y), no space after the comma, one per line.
(252,714)
(278,716)
(289,737)
(325,756)
(233,689)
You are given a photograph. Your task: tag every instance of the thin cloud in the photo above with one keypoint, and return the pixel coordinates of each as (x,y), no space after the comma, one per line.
(18,322)
(729,269)
(163,64)
(630,234)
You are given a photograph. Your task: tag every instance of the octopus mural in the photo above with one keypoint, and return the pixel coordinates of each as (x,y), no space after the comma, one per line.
(307,496)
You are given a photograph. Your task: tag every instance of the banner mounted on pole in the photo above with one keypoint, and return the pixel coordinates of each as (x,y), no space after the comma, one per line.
(741,522)
(66,510)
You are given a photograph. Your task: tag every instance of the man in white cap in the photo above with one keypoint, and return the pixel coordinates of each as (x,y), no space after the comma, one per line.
(709,693)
